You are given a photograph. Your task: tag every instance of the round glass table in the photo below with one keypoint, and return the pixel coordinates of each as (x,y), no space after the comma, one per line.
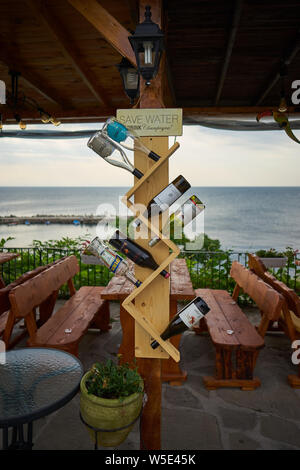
(34,382)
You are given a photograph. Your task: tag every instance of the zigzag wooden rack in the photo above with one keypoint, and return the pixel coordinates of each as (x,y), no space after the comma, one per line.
(128,304)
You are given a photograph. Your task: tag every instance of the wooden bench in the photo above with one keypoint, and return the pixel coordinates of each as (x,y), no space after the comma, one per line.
(236,340)
(64,329)
(7,318)
(289,318)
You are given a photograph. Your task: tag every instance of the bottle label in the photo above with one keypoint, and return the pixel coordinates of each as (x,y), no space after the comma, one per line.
(167,196)
(115,264)
(111,260)
(191,315)
(189,211)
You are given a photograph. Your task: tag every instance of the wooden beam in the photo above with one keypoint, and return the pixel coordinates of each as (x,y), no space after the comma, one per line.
(31,78)
(114,33)
(286,61)
(66,44)
(230,44)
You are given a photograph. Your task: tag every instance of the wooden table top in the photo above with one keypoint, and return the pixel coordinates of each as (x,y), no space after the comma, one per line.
(181,288)
(5,257)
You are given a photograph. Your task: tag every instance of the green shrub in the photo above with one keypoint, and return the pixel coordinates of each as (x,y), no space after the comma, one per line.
(110,380)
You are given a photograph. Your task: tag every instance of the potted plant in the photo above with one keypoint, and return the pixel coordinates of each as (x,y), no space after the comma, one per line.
(272,258)
(111,398)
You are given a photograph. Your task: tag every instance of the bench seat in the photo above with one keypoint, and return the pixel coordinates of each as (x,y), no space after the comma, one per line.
(235,339)
(64,329)
(237,342)
(67,326)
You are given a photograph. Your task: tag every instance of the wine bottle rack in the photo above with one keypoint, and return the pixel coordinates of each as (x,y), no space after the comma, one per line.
(128,303)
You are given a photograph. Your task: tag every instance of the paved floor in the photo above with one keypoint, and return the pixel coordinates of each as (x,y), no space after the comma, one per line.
(192,417)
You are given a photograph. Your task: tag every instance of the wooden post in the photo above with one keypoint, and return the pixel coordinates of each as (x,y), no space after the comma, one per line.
(156,298)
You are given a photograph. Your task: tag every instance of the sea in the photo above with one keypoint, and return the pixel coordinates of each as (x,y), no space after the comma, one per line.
(242,218)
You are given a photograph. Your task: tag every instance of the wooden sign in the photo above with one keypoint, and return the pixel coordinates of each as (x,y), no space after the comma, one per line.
(152,122)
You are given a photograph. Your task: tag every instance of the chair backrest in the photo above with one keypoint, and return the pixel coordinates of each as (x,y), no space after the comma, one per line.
(268,300)
(256,265)
(32,293)
(290,296)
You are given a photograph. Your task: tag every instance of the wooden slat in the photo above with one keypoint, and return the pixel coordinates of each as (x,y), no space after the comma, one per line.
(216,321)
(4,293)
(32,78)
(181,284)
(291,298)
(76,314)
(32,293)
(107,25)
(55,29)
(244,331)
(267,300)
(230,44)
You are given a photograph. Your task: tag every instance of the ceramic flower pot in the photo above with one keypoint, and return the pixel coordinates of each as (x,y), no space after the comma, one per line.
(105,413)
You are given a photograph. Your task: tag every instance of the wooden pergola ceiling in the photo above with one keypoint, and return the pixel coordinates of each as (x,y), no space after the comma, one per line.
(222,57)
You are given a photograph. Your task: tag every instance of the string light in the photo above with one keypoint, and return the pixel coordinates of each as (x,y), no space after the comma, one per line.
(21,123)
(46,117)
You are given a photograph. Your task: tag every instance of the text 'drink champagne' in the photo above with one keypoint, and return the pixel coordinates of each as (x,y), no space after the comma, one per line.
(189,210)
(135,252)
(163,200)
(185,319)
(115,263)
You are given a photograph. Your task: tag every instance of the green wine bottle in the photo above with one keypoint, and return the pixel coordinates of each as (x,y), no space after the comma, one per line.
(185,319)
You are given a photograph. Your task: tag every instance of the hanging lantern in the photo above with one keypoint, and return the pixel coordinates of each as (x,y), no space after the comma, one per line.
(130,78)
(147,44)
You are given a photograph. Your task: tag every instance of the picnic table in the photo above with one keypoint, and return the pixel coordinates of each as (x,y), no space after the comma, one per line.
(181,288)
(4,258)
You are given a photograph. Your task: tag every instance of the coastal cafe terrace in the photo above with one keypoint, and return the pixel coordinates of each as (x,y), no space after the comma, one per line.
(227,65)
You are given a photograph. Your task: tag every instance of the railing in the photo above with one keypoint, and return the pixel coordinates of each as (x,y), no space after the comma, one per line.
(207,269)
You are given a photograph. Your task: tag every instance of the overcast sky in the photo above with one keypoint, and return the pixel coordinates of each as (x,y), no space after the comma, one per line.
(206,157)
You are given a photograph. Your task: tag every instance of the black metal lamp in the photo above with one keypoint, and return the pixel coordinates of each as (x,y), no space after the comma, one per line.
(147,44)
(130,78)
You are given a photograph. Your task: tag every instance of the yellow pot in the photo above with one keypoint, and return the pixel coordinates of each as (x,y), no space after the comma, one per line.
(105,413)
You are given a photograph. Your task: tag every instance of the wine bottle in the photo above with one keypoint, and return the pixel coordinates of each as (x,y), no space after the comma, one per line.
(111,259)
(187,212)
(165,198)
(111,152)
(185,319)
(128,139)
(135,252)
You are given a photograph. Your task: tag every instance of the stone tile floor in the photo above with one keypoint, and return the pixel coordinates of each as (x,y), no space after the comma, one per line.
(192,417)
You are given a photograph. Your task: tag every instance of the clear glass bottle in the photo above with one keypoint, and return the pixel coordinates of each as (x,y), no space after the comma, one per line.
(115,263)
(112,153)
(128,139)
(185,319)
(187,212)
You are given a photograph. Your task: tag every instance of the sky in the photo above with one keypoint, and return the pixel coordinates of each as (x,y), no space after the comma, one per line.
(206,157)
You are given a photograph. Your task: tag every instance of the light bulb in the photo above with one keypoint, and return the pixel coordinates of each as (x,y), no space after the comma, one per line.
(45,118)
(22,125)
(54,121)
(148,52)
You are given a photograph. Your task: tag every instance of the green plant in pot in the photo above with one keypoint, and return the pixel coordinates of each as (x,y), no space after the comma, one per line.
(111,398)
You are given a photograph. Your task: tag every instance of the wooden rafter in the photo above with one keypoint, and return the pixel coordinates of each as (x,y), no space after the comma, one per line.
(230,44)
(114,33)
(51,24)
(286,61)
(31,78)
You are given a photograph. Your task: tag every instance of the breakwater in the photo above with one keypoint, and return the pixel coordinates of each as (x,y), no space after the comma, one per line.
(50,219)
